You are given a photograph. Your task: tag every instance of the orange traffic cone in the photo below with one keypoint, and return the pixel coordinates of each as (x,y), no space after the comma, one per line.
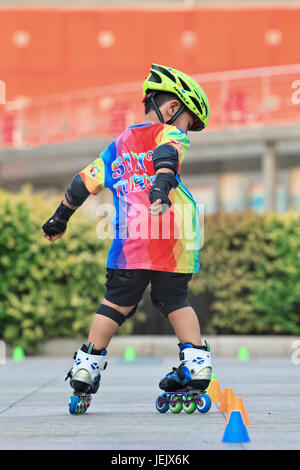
(228,396)
(237,404)
(215,391)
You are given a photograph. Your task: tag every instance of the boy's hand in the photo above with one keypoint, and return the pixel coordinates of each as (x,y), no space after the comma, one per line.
(53,229)
(159,192)
(56,226)
(157,208)
(52,238)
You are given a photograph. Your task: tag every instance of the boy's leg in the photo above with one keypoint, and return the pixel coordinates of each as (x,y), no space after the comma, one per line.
(124,290)
(184,321)
(122,287)
(90,359)
(169,294)
(186,325)
(104,328)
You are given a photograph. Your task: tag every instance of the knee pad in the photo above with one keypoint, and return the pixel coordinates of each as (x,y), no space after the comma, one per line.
(114,314)
(166,309)
(132,312)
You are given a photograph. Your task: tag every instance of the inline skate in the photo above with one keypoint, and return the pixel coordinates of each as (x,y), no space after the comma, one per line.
(184,387)
(85,377)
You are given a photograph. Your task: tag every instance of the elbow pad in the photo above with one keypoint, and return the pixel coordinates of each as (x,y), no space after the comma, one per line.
(165,156)
(76,193)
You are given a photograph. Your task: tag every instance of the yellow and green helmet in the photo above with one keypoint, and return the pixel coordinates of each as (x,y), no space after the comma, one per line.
(190,93)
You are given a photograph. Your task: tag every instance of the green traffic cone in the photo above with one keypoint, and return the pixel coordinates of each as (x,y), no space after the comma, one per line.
(243,353)
(18,354)
(129,354)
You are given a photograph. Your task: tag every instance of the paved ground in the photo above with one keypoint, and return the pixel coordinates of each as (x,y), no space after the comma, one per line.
(34,407)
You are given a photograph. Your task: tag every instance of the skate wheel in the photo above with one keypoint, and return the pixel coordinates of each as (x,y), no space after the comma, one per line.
(73,404)
(78,404)
(161,404)
(189,406)
(203,403)
(175,404)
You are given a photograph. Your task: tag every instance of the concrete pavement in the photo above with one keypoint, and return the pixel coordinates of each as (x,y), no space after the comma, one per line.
(34,407)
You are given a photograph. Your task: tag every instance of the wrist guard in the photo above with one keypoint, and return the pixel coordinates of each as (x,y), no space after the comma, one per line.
(161,187)
(57,223)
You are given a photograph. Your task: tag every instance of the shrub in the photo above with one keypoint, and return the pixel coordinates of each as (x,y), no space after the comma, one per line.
(249,282)
(250,268)
(46,290)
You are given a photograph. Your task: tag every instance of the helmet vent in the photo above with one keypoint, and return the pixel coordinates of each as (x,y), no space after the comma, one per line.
(204,104)
(197,104)
(155,78)
(184,85)
(164,72)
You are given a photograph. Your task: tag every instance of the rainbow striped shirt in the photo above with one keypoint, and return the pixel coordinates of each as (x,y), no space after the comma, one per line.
(169,242)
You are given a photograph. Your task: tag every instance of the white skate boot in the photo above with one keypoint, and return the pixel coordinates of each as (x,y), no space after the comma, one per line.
(85,377)
(194,371)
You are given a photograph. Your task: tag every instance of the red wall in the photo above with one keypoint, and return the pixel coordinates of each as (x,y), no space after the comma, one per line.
(63,52)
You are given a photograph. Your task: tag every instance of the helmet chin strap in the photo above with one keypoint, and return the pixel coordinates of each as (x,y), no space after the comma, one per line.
(180,110)
(151,96)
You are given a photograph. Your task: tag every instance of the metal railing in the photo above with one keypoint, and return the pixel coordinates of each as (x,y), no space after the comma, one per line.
(243,98)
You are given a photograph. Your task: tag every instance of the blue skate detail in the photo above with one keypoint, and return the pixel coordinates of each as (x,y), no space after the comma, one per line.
(96,382)
(174,375)
(95,366)
(78,361)
(184,346)
(198,360)
(187,374)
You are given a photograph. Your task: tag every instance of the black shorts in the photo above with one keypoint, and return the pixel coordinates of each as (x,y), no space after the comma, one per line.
(169,291)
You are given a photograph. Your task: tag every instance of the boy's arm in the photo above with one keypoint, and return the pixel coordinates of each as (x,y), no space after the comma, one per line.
(172,146)
(75,195)
(166,163)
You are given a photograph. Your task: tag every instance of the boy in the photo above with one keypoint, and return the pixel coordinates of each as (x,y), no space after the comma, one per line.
(141,168)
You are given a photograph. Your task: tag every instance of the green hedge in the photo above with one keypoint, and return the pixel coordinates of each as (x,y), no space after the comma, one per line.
(249,282)
(46,289)
(250,271)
